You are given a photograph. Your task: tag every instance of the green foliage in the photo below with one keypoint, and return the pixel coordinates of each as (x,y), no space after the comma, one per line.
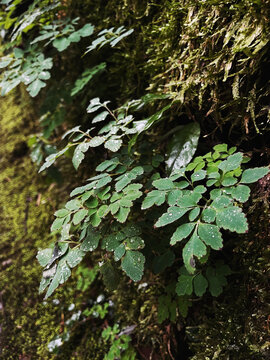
(29,66)
(62,33)
(37,10)
(196,195)
(183,146)
(148,207)
(111,135)
(133,265)
(120,347)
(109,36)
(214,279)
(30,69)
(86,76)
(172,304)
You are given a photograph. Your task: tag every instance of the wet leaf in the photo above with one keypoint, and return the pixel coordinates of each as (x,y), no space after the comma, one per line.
(231,163)
(128,177)
(74,257)
(133,265)
(154,197)
(91,241)
(86,30)
(183,146)
(100,117)
(113,144)
(211,235)
(209,215)
(200,284)
(241,193)
(194,213)
(44,256)
(173,196)
(194,247)
(73,205)
(233,219)
(79,216)
(61,213)
(35,87)
(198,175)
(253,175)
(119,252)
(163,184)
(173,213)
(57,224)
(96,141)
(61,43)
(122,214)
(184,285)
(182,232)
(78,155)
(62,274)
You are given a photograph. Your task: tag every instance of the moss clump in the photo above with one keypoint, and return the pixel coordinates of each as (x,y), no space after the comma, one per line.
(85,343)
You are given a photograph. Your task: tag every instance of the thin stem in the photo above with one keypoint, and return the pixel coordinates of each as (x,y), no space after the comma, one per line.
(111,113)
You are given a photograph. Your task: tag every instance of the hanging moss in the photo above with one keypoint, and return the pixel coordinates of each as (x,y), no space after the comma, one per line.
(209,56)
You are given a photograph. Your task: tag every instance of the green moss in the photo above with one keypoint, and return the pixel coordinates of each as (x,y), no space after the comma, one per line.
(23,226)
(135,305)
(26,207)
(85,343)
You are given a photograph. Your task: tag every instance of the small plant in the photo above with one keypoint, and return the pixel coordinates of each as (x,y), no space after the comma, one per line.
(62,33)
(121,125)
(110,36)
(120,348)
(195,202)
